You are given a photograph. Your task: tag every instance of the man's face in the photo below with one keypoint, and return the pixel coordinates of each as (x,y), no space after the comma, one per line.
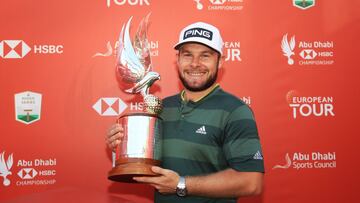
(197,66)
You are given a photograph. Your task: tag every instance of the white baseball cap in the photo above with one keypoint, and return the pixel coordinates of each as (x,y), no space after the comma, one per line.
(202,33)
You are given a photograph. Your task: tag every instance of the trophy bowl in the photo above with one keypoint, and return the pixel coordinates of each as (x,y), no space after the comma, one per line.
(140,147)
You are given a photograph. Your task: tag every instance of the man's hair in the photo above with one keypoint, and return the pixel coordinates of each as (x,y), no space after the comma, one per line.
(218,54)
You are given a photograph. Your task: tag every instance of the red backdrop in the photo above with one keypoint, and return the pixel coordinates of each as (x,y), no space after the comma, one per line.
(59,94)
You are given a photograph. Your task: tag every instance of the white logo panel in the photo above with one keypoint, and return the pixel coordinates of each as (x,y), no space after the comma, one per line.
(109,106)
(13,49)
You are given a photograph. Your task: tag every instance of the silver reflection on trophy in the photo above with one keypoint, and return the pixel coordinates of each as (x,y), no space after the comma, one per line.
(134,65)
(141,145)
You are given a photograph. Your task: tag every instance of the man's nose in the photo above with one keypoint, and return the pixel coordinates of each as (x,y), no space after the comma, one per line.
(195,62)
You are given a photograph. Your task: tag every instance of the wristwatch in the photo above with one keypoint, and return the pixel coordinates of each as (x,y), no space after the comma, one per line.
(181,187)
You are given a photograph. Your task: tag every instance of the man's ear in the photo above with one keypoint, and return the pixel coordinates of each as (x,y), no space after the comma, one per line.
(176,62)
(177,57)
(221,61)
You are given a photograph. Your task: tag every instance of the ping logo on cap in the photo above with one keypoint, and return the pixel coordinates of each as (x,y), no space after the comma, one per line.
(198,32)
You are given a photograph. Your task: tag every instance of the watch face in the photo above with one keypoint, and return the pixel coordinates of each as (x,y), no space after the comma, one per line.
(181,192)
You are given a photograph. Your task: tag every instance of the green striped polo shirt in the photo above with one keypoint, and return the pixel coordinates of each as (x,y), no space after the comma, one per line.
(212,134)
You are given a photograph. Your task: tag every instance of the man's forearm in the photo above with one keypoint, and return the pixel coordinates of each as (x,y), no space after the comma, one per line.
(227,183)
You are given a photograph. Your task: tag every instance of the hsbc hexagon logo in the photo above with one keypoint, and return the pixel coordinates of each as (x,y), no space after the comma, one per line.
(109,106)
(27,173)
(13,49)
(308,54)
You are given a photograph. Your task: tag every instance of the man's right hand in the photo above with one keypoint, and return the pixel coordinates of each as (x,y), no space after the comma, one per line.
(114,136)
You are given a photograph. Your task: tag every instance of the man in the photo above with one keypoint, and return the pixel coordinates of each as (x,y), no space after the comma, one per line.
(211,148)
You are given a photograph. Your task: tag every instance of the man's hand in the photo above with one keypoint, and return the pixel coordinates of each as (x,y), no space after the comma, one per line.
(165,183)
(114,136)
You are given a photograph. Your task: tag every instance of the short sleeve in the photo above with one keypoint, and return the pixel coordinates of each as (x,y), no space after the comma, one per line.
(241,144)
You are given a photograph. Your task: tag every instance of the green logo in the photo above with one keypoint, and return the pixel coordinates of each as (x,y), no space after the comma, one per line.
(304,4)
(27,107)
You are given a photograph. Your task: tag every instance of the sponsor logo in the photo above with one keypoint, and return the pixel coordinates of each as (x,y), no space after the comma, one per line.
(310,106)
(134,106)
(201,130)
(313,160)
(27,173)
(258,156)
(287,164)
(232,51)
(27,107)
(48,49)
(128,2)
(13,49)
(107,53)
(112,50)
(303,4)
(219,5)
(5,167)
(288,48)
(198,32)
(38,171)
(309,52)
(16,49)
(109,106)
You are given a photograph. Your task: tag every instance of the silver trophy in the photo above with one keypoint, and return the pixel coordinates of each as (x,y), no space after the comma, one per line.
(140,148)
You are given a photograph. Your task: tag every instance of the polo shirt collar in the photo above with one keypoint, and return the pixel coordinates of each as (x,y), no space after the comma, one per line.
(182,95)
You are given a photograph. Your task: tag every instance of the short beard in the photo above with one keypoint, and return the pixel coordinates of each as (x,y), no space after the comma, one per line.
(205,86)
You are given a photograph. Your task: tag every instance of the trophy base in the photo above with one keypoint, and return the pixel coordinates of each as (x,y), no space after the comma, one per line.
(127,168)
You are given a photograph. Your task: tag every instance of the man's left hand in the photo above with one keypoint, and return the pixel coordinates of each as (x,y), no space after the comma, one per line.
(165,183)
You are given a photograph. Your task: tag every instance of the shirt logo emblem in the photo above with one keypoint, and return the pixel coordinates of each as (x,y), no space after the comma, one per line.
(201,130)
(258,156)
